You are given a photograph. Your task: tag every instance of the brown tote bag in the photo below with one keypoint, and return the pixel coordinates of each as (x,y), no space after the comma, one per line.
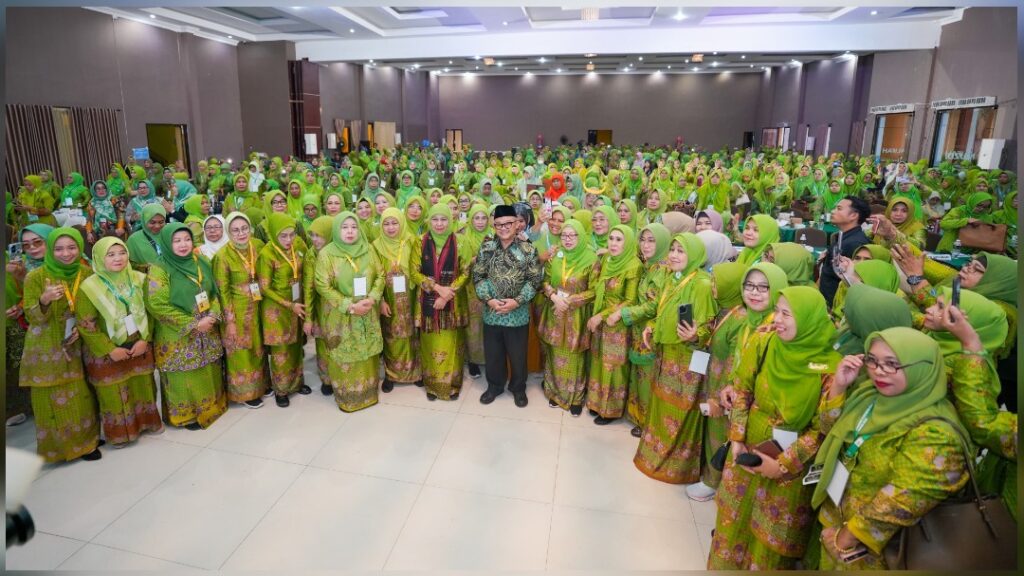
(968,532)
(985,237)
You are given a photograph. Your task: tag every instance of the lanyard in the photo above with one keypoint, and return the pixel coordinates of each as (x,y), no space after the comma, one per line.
(293,261)
(250,264)
(117,293)
(721,322)
(72,293)
(565,279)
(859,439)
(669,294)
(199,271)
(355,266)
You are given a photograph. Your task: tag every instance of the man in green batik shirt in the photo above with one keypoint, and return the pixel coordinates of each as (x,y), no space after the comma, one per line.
(507,275)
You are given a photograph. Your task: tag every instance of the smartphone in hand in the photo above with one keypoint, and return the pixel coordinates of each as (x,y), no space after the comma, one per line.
(686,314)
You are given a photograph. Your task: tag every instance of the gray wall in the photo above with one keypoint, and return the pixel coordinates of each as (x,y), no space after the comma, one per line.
(828,98)
(76,57)
(497,112)
(263,83)
(339,93)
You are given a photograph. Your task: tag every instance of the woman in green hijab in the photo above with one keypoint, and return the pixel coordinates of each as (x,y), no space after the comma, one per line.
(714,193)
(628,215)
(282,309)
(118,359)
(350,284)
(471,238)
(780,391)
(67,424)
(394,247)
(899,439)
(615,287)
(145,194)
(320,232)
(35,203)
(876,273)
(438,272)
(759,231)
(979,207)
(75,194)
(406,188)
(547,242)
(564,313)
(414,217)
(198,208)
(868,309)
(181,297)
(908,228)
(604,219)
(234,271)
(241,199)
(655,206)
(653,245)
(672,438)
(144,245)
(795,259)
(103,211)
(370,187)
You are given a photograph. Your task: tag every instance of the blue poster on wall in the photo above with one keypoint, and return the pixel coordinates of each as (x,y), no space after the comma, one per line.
(141,153)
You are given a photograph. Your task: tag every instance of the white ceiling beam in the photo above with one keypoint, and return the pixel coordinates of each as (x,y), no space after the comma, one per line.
(751,39)
(439,30)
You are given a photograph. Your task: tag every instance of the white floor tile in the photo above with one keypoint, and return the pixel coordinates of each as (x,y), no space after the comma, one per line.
(704,531)
(596,471)
(22,436)
(498,456)
(79,499)
(504,406)
(203,438)
(42,552)
(201,513)
(328,521)
(388,441)
(592,540)
(416,397)
(293,434)
(102,558)
(704,512)
(452,530)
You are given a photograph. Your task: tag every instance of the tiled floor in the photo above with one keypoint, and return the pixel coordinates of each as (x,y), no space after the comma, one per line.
(404,485)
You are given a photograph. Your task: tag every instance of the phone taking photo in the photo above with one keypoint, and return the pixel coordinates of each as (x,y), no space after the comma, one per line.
(954,301)
(14,250)
(686,314)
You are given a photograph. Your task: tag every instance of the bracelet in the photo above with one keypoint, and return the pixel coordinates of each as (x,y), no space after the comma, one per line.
(835,542)
(981,353)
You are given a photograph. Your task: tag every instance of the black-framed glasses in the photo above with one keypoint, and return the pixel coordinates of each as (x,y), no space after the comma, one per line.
(503,225)
(889,367)
(759,288)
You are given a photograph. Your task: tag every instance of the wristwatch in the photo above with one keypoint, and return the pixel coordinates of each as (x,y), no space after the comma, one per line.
(914,280)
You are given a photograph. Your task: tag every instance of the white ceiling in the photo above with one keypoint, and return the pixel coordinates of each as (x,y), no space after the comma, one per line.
(617,33)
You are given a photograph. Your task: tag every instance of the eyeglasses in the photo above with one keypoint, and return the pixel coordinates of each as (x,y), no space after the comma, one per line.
(240,230)
(34,243)
(889,367)
(504,225)
(565,236)
(759,288)
(213,227)
(277,201)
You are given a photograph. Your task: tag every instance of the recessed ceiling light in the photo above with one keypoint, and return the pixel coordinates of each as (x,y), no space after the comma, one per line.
(447,69)
(542,59)
(528,73)
(874,12)
(467,74)
(153,16)
(687,60)
(715,53)
(715,63)
(743,57)
(559,70)
(476,57)
(416,65)
(351,30)
(501,64)
(695,69)
(504,23)
(449,61)
(371,60)
(477,67)
(641,58)
(625,69)
(230,37)
(669,66)
(679,16)
(590,62)
(517,68)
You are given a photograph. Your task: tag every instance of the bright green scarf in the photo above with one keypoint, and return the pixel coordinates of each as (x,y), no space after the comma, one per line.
(691,285)
(565,261)
(439,209)
(1000,280)
(390,249)
(616,266)
(986,317)
(879,274)
(116,294)
(868,309)
(796,261)
(768,233)
(601,240)
(56,268)
(183,271)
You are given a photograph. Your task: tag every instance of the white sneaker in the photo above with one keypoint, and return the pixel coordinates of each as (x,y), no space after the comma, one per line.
(700,492)
(17,419)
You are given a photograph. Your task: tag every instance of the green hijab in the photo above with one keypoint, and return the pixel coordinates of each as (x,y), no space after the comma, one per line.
(415,227)
(631,205)
(194,208)
(913,223)
(977,198)
(878,274)
(56,268)
(141,244)
(183,271)
(440,209)
(924,397)
(868,309)
(41,230)
(116,293)
(877,252)
(728,278)
(322,227)
(268,199)
(74,190)
(580,258)
(999,283)
(691,285)
(277,223)
(616,266)
(794,368)
(601,241)
(796,261)
(986,317)
(662,242)
(389,248)
(584,217)
(768,233)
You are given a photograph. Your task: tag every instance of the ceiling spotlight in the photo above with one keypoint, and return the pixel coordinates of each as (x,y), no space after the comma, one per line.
(417,66)
(687,60)
(371,60)
(528,73)
(351,30)
(476,57)
(715,63)
(447,69)
(641,58)
(504,23)
(743,57)
(874,12)
(477,67)
(517,68)
(467,74)
(715,53)
(669,66)
(625,69)
(559,70)
(679,16)
(695,69)
(795,62)
(153,16)
(542,60)
(751,65)
(230,37)
(500,64)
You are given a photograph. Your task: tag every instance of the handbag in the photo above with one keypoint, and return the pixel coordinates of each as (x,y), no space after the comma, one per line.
(967,532)
(984,236)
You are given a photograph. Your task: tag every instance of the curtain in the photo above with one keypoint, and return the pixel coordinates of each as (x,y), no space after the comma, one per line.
(31,143)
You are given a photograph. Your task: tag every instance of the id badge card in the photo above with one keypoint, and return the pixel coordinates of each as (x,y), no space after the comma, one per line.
(359,286)
(462,188)
(705,409)
(463,217)
(398,284)
(699,362)
(296,292)
(33,218)
(202,302)
(69,326)
(837,485)
(785,438)
(254,291)
(354,198)
(67,202)
(130,326)
(813,474)
(430,181)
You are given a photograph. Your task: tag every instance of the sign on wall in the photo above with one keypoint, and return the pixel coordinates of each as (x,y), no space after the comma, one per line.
(973,102)
(892,108)
(140,153)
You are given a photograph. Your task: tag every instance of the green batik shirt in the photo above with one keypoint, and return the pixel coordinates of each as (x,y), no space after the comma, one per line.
(513,272)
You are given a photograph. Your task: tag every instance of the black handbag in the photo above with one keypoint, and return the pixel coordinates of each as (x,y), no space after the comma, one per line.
(967,532)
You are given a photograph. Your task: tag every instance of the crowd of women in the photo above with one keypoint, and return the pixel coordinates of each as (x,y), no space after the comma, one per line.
(821,426)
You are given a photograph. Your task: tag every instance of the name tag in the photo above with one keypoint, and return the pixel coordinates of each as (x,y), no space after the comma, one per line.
(693,196)
(785,438)
(430,181)
(67,201)
(202,302)
(129,325)
(398,284)
(463,216)
(69,326)
(946,205)
(837,485)
(462,188)
(813,474)
(705,408)
(296,292)
(699,362)
(354,198)
(33,218)
(254,291)
(359,286)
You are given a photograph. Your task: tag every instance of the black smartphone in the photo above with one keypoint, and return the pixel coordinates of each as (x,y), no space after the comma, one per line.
(686,314)
(858,552)
(954,301)
(748,459)
(14,250)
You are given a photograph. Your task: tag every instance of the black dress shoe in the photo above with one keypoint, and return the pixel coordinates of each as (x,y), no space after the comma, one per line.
(431,397)
(487,397)
(636,431)
(194,426)
(419,383)
(326,389)
(387,386)
(552,404)
(304,390)
(102,442)
(592,412)
(94,455)
(521,400)
(455,396)
(282,401)
(268,392)
(602,421)
(576,410)
(474,370)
